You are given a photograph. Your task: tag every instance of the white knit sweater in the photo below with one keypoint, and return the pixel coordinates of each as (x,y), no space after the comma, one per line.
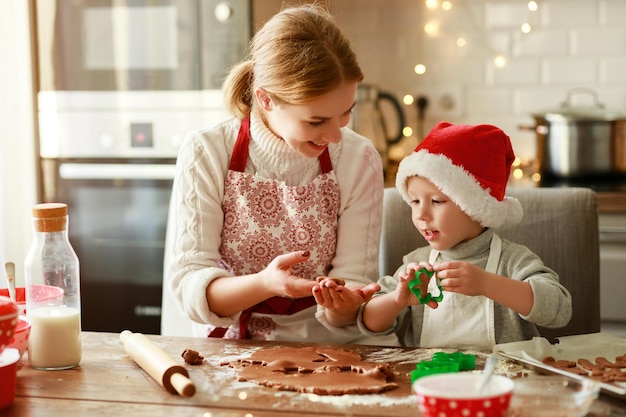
(196,217)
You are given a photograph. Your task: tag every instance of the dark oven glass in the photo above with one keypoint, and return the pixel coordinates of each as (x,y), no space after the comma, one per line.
(117,221)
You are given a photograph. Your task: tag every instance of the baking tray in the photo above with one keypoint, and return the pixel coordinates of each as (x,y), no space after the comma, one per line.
(590,346)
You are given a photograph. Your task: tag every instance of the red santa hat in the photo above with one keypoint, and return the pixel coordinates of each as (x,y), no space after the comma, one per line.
(469,164)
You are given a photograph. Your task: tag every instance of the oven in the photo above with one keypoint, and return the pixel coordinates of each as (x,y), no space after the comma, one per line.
(120,83)
(118,214)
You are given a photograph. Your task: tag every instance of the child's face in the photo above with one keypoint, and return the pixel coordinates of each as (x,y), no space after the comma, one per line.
(310,127)
(442,223)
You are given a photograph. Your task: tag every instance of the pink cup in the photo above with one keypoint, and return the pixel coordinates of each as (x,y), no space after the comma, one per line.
(42,293)
(8,376)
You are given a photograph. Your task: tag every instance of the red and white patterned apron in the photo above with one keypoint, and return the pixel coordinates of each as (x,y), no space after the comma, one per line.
(264,218)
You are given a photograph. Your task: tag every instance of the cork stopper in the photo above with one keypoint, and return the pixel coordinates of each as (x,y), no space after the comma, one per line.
(50,217)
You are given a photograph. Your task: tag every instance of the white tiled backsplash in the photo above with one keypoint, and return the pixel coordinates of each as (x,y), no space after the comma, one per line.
(573,43)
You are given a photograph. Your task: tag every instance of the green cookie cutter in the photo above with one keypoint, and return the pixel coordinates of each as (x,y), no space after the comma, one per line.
(414,286)
(443,362)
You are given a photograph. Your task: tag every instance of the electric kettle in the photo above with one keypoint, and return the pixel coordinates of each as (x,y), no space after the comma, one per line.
(368,119)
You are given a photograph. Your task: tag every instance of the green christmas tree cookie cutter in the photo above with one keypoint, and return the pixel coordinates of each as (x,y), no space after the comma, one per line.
(443,362)
(414,286)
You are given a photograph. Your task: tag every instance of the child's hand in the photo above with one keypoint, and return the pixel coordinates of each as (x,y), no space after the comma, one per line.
(461,277)
(404,296)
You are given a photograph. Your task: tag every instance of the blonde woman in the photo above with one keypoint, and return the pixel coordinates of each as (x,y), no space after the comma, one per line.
(278,195)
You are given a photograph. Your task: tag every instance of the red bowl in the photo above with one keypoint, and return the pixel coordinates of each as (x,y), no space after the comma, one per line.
(8,321)
(8,376)
(456,395)
(21,335)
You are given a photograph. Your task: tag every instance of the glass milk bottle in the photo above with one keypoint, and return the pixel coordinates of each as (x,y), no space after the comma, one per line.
(52,291)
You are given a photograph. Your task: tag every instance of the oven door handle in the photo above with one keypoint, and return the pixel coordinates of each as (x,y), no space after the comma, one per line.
(74,171)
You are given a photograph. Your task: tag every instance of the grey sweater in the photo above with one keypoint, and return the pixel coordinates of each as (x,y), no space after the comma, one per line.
(552,302)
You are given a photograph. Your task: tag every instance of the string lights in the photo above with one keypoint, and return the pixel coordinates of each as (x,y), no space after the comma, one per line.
(474,34)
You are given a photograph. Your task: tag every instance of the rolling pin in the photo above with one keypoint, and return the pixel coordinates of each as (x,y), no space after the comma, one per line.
(163,369)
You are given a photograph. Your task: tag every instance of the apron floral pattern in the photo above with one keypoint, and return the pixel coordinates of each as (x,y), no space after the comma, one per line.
(264,218)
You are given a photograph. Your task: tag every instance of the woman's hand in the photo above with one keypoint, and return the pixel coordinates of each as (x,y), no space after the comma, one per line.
(342,303)
(278,277)
(229,295)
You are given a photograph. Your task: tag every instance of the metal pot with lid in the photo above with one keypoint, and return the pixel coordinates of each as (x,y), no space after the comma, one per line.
(575,141)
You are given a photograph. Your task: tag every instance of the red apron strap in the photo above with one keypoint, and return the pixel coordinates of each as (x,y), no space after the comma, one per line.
(325,164)
(218,332)
(240,152)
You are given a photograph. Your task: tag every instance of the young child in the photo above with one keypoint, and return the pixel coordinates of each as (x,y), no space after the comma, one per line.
(494,290)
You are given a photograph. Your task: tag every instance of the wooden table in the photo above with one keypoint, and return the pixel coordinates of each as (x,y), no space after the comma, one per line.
(109,383)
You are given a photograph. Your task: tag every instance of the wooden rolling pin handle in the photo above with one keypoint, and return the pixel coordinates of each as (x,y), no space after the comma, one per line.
(183,385)
(157,364)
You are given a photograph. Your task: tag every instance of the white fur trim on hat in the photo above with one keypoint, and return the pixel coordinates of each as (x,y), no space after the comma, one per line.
(461,187)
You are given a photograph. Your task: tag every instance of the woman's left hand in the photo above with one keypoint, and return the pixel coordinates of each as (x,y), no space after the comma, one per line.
(329,294)
(342,303)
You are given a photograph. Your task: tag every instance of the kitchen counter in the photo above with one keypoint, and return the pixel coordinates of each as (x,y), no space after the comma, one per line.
(611,191)
(612,202)
(108,382)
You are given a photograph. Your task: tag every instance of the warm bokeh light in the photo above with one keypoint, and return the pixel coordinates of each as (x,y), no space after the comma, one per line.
(532,6)
(407,131)
(446,5)
(517,161)
(518,173)
(420,69)
(499,61)
(536,177)
(408,99)
(461,42)
(396,153)
(431,28)
(526,28)
(431,4)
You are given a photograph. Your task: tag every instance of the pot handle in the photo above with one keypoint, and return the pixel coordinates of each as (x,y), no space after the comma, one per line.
(384,96)
(539,129)
(527,128)
(582,90)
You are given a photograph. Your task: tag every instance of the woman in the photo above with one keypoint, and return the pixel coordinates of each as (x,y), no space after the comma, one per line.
(282,193)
